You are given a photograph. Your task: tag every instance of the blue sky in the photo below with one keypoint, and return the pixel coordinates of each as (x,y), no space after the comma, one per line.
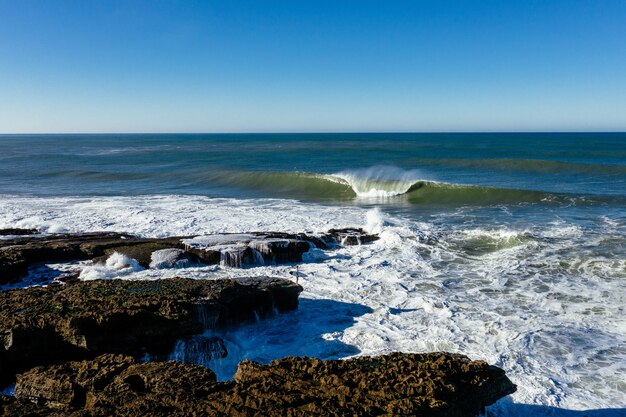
(247,66)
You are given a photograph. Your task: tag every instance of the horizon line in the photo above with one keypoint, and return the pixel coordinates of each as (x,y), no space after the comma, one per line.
(318,132)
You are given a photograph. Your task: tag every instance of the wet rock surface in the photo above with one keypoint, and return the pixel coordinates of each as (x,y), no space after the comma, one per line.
(41,325)
(434,384)
(351,236)
(18,232)
(267,248)
(235,250)
(18,253)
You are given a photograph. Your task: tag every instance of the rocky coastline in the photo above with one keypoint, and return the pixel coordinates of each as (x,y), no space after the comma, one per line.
(73,347)
(23,248)
(433,384)
(41,325)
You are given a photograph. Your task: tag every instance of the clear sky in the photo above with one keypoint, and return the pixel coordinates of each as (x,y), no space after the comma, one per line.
(337,65)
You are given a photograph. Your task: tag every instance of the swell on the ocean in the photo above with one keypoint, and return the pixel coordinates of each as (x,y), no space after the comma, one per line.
(381,184)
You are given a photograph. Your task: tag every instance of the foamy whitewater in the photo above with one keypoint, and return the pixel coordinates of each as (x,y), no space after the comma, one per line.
(500,256)
(555,324)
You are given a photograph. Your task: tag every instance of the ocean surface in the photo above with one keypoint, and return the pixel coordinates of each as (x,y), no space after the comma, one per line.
(505,247)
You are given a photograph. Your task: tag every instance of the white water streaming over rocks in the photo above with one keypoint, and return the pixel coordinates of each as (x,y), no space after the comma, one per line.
(544,301)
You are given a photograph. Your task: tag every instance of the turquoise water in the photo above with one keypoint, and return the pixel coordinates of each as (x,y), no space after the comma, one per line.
(505,247)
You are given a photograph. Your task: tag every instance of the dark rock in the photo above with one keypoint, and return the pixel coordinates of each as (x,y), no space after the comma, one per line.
(11,407)
(155,388)
(351,236)
(267,248)
(235,250)
(434,384)
(18,232)
(249,249)
(53,324)
(17,254)
(207,256)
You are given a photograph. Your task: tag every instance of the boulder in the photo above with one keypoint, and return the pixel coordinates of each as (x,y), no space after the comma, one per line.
(397,384)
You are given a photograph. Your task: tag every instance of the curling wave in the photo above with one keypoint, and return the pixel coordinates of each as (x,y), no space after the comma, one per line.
(382,184)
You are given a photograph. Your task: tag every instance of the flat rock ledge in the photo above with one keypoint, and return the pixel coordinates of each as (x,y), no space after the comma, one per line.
(19,252)
(433,384)
(46,325)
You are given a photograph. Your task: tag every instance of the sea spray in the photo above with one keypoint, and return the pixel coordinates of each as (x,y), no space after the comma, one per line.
(374,221)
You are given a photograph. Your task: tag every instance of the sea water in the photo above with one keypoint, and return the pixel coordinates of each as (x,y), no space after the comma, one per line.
(505,247)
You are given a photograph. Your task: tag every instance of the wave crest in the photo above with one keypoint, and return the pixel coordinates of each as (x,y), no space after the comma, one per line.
(378,181)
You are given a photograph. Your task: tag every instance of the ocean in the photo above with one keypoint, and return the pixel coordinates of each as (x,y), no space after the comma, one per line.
(507,247)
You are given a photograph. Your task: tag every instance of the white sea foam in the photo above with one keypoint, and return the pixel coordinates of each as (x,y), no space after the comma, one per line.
(544,302)
(116,266)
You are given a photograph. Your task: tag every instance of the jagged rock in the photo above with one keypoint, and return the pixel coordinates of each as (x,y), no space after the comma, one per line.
(434,384)
(41,325)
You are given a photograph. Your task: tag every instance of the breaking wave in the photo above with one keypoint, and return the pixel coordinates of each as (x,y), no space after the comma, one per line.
(383,183)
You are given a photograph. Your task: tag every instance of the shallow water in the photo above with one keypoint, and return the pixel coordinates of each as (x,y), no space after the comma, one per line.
(510,249)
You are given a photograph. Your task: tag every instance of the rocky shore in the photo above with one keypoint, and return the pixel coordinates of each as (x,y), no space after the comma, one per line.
(74,348)
(23,248)
(40,325)
(434,384)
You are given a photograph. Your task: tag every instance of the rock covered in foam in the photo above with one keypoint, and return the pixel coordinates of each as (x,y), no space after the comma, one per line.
(267,248)
(172,258)
(240,250)
(17,254)
(434,384)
